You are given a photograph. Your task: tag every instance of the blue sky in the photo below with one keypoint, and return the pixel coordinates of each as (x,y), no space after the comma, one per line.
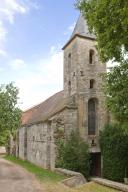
(32,33)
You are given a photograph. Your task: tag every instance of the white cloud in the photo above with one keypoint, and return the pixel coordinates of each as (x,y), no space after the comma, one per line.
(17,64)
(70,29)
(2,52)
(46,80)
(9,8)
(8,11)
(3,32)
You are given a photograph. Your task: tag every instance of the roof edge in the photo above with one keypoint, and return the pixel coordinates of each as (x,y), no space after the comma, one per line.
(77,35)
(47,118)
(38,104)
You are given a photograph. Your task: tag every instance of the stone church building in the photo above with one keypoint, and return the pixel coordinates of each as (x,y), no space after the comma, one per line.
(81,105)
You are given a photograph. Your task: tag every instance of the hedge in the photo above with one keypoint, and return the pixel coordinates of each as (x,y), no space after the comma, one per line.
(114,149)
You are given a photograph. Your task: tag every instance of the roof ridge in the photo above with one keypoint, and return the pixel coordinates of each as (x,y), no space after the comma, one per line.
(36,105)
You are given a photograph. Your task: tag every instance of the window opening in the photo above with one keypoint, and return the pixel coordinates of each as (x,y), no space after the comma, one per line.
(91,56)
(91,117)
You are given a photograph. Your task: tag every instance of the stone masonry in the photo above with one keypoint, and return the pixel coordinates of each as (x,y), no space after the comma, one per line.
(81,105)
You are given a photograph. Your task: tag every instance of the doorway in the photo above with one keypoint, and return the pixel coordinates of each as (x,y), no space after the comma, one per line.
(95,164)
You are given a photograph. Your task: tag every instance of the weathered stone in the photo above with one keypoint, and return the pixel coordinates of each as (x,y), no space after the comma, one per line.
(74,179)
(82,82)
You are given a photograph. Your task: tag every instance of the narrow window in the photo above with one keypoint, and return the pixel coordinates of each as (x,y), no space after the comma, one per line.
(69,62)
(92,83)
(91,56)
(91,117)
(69,87)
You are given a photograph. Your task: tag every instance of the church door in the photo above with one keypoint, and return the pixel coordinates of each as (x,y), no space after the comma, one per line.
(95,164)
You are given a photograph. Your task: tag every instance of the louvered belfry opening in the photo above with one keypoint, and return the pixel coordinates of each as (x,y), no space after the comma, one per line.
(92,117)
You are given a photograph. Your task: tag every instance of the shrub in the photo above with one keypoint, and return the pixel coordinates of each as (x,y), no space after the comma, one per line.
(114,149)
(74,154)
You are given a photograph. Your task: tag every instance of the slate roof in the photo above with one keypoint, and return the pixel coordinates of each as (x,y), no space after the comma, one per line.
(81,28)
(44,110)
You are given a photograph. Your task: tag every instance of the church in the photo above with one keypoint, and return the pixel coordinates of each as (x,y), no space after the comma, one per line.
(79,106)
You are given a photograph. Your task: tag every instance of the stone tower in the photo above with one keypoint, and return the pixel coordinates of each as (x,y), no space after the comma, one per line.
(83,84)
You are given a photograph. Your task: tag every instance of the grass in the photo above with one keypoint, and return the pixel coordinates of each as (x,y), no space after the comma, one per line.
(94,187)
(40,173)
(51,180)
(89,187)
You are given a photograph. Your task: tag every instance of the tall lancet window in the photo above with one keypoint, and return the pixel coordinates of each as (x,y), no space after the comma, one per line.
(92,117)
(69,62)
(91,56)
(69,87)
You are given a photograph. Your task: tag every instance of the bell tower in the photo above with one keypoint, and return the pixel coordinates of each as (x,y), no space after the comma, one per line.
(82,80)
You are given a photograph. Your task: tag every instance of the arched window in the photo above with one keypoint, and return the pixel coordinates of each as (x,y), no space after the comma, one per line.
(92,117)
(92,83)
(91,56)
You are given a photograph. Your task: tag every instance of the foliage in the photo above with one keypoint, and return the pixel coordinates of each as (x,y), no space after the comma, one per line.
(10,114)
(114,149)
(108,20)
(40,173)
(74,154)
(116,89)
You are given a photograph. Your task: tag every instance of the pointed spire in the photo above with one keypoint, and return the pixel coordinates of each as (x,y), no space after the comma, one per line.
(81,28)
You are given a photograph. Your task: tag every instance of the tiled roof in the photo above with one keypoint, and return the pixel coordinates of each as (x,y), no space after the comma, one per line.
(44,110)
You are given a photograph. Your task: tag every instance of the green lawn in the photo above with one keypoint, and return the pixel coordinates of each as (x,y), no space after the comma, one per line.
(40,173)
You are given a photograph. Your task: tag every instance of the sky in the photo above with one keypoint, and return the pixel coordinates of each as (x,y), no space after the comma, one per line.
(32,34)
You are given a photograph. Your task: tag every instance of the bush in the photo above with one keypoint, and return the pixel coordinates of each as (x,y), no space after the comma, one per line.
(74,154)
(114,149)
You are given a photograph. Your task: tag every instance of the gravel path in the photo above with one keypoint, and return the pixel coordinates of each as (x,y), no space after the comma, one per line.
(14,178)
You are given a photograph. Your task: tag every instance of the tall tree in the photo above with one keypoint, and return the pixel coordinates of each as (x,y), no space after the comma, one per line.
(116,89)
(10,114)
(108,20)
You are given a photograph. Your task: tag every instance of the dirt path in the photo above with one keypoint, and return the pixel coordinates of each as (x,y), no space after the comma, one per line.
(14,178)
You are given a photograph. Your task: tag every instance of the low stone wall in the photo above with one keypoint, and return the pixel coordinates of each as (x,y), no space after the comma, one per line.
(74,179)
(112,184)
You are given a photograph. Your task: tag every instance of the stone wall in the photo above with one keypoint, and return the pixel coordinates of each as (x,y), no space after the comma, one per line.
(74,179)
(21,146)
(82,71)
(37,144)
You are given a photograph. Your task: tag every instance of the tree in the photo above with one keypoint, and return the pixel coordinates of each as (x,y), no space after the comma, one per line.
(114,149)
(74,154)
(108,20)
(116,89)
(10,114)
